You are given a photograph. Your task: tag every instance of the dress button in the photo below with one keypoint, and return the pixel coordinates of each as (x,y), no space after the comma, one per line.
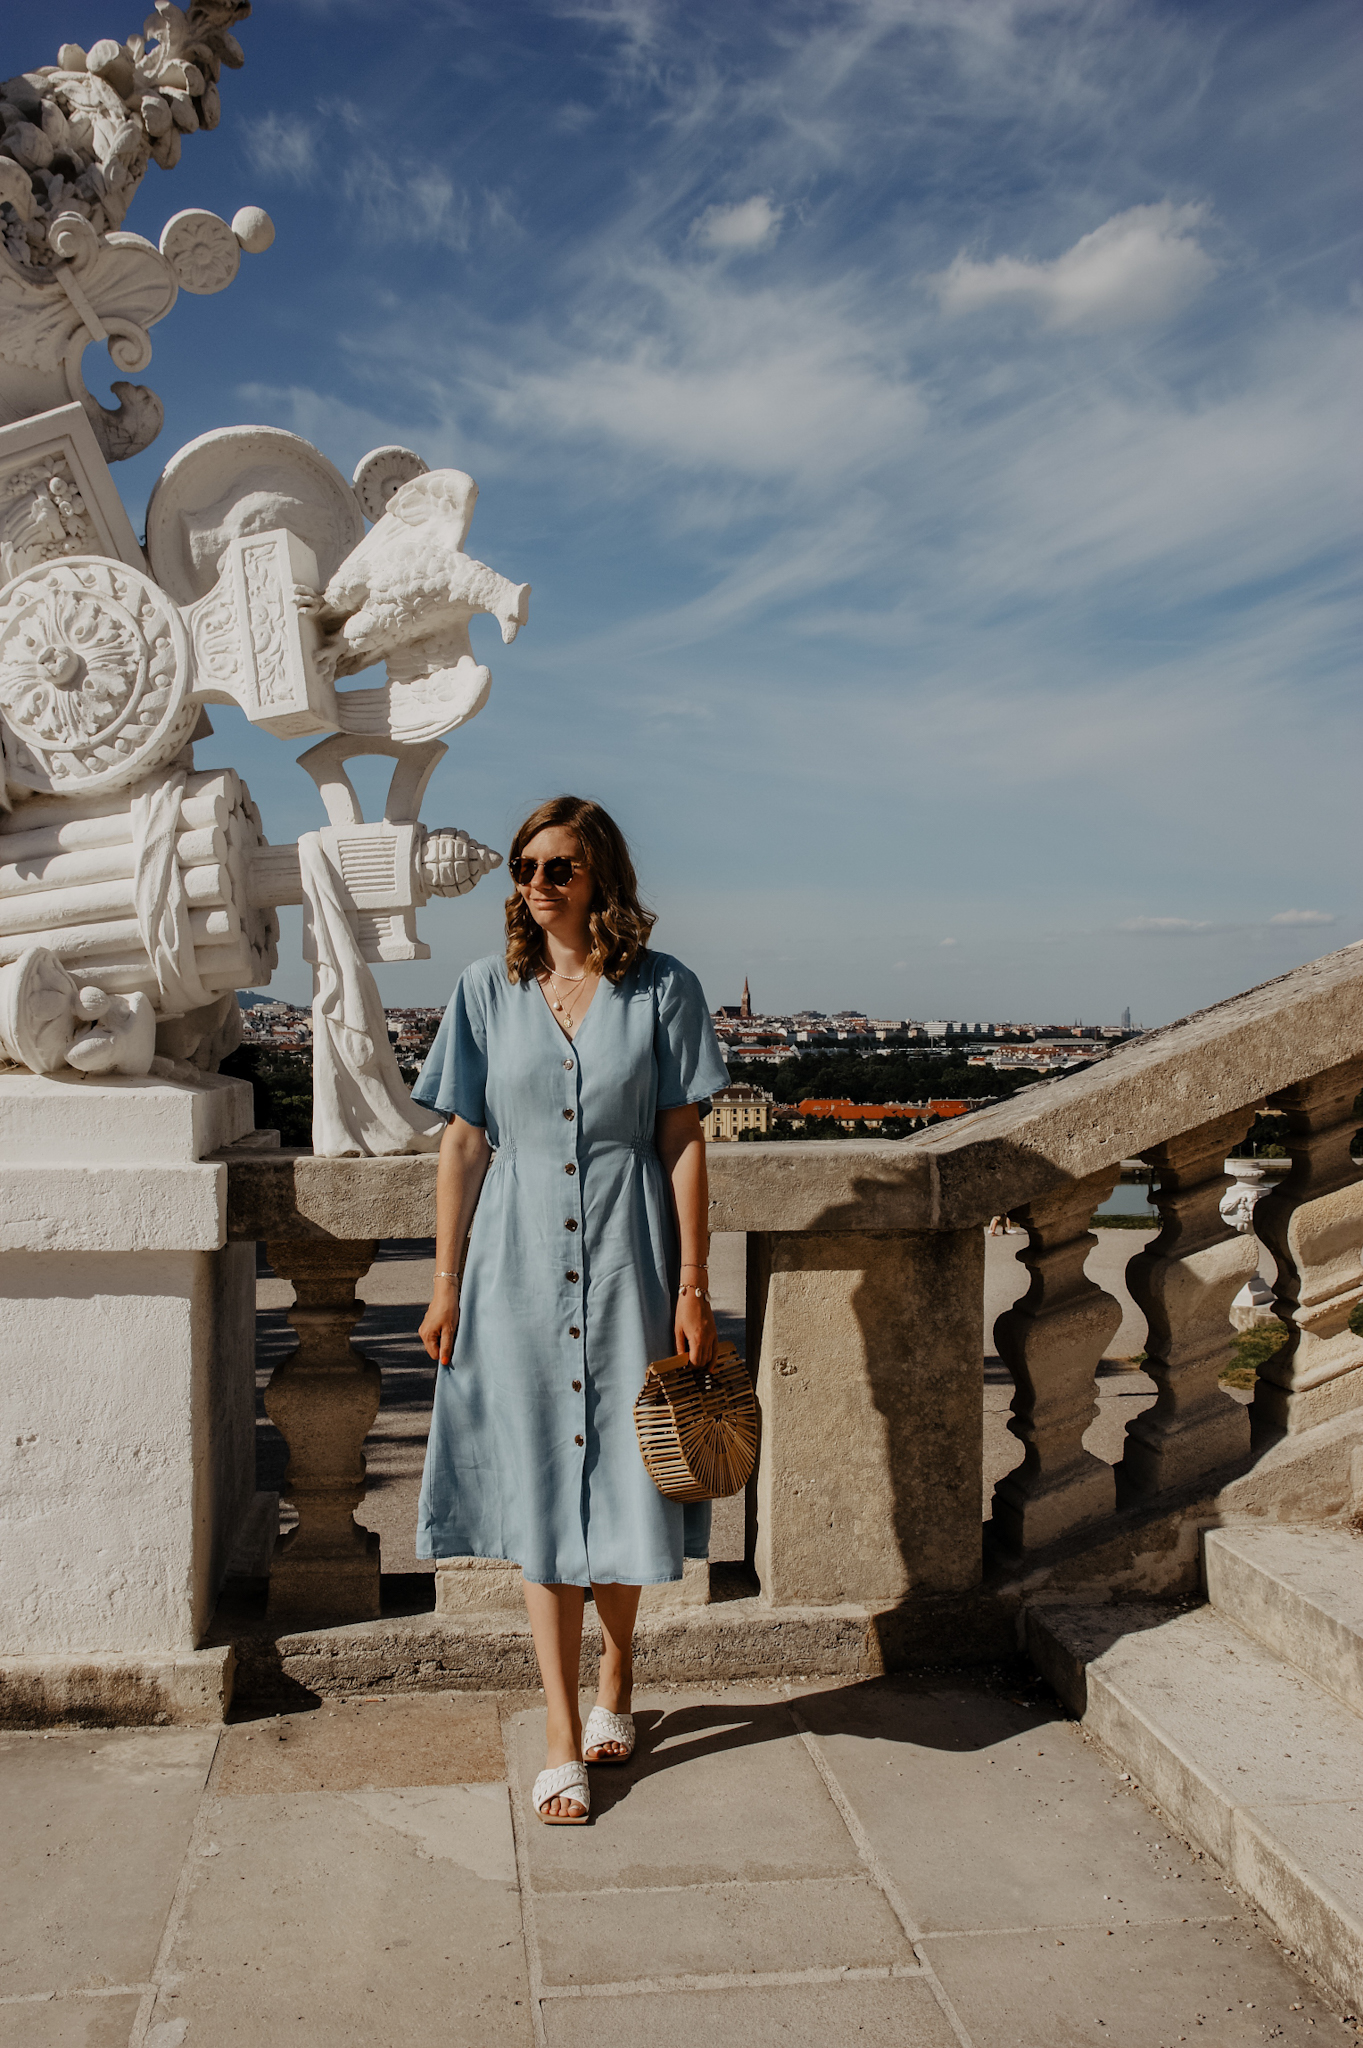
(568,1115)
(574,1332)
(570,1168)
(570,1223)
(578,1441)
(572,1275)
(577,1386)
(568,1066)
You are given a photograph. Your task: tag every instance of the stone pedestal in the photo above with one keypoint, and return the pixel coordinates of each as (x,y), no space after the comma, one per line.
(869,1387)
(127,1390)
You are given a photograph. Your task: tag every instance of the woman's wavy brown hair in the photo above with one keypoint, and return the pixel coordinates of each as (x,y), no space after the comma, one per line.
(618,922)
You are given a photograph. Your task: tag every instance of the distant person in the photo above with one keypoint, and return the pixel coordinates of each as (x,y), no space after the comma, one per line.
(1009,1227)
(574,1072)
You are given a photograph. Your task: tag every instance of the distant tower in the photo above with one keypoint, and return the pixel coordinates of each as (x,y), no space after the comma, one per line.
(1126,1020)
(745,1007)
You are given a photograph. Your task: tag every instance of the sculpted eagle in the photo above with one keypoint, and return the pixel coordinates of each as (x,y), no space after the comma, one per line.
(405,595)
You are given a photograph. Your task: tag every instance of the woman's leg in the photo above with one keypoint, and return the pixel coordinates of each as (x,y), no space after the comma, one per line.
(556,1624)
(617,1607)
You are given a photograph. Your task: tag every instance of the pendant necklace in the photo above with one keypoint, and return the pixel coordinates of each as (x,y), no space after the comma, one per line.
(574,982)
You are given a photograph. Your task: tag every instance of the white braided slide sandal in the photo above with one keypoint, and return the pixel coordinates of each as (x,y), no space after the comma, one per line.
(603,1726)
(563,1781)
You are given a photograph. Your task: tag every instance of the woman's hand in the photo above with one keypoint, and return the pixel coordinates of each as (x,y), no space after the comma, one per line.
(694,1328)
(440,1322)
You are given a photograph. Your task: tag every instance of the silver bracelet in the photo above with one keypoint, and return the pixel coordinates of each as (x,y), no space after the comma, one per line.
(447,1276)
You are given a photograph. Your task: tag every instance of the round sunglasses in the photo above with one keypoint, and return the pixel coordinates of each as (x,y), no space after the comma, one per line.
(557,872)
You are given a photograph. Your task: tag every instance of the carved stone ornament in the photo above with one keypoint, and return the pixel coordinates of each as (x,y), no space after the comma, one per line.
(48,1019)
(202,251)
(256,640)
(407,594)
(238,481)
(383,472)
(94,677)
(57,497)
(1243,1196)
(38,1000)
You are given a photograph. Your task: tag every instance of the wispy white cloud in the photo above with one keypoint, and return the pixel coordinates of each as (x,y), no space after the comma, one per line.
(282,146)
(750,224)
(1144,264)
(1302,917)
(1164,924)
(690,369)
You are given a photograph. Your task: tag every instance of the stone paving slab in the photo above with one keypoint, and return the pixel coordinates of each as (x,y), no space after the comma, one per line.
(990,1813)
(334,1920)
(103,2022)
(718,1788)
(1221,1985)
(102,1811)
(424,1739)
(703,1930)
(892,2013)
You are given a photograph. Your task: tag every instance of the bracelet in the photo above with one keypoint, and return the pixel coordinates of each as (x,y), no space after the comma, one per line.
(693,1266)
(699,1293)
(447,1276)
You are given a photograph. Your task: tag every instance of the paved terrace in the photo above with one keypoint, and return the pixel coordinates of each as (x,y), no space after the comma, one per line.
(903,1863)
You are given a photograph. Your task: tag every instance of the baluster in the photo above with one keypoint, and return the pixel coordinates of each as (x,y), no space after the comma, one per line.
(1052,1342)
(1312,1222)
(323,1399)
(1184,1281)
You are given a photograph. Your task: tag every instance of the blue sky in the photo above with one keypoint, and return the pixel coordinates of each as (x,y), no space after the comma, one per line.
(929,427)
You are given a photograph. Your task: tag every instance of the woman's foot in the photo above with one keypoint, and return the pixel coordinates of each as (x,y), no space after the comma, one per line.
(614,1692)
(563,1746)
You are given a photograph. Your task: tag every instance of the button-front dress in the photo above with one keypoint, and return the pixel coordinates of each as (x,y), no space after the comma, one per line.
(570,1278)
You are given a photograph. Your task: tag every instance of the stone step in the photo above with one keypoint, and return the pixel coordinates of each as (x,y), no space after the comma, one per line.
(1300,1592)
(1250,1759)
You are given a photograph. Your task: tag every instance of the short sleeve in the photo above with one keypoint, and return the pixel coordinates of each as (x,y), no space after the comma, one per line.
(454,1078)
(684,1042)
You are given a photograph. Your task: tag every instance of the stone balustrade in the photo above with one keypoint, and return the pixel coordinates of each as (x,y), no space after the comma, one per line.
(865,1314)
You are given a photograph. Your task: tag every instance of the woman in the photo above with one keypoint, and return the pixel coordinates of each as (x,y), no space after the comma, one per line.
(574,1073)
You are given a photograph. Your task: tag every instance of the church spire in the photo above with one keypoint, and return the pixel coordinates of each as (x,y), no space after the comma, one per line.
(745,1007)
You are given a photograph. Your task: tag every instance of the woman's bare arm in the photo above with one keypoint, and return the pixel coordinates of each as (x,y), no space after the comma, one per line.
(464,1157)
(681,1147)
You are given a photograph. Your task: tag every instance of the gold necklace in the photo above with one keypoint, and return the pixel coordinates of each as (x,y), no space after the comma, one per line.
(565,1010)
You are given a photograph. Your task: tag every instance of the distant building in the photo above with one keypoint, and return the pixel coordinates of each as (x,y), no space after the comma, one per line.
(739,1107)
(740,1012)
(1126,1020)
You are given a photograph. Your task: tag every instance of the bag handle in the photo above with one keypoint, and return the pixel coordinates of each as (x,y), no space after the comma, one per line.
(659,1368)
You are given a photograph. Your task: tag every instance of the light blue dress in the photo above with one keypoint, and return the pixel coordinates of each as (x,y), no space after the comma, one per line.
(570,1279)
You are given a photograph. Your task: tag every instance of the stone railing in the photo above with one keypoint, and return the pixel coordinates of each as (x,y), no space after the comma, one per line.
(866,1318)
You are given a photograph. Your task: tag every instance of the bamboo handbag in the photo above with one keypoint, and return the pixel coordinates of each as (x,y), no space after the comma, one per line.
(698,1429)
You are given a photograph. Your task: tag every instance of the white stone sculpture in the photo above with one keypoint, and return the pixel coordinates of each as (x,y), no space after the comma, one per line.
(406,594)
(1242,1197)
(1254,1303)
(42,1009)
(122,1037)
(57,497)
(77,139)
(135,895)
(361,885)
(238,481)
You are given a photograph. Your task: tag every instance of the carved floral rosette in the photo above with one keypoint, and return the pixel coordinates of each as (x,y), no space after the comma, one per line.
(94,677)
